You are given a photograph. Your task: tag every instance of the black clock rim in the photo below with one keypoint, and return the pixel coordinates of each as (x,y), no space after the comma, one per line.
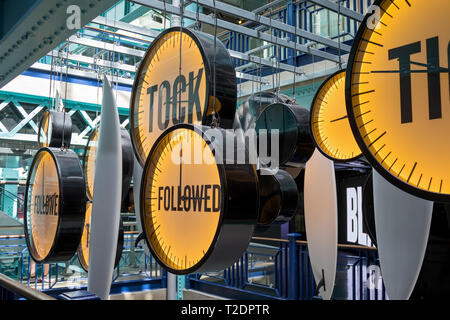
(293,150)
(75,235)
(127,162)
(221,170)
(296,147)
(427,195)
(119,250)
(209,89)
(316,143)
(48,114)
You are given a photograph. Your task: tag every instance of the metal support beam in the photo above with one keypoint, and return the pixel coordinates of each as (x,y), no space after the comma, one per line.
(265,62)
(106,46)
(239,29)
(41,29)
(267,6)
(346,12)
(77,73)
(241,13)
(93,61)
(141,53)
(249,77)
(125,27)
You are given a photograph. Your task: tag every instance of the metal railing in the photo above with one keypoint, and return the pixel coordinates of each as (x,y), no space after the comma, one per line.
(11,289)
(270,269)
(280,269)
(134,264)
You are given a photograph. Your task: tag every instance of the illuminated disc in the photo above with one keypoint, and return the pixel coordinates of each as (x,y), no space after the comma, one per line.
(44,130)
(55,129)
(329,122)
(174,84)
(183,207)
(83,250)
(44,211)
(55,197)
(397,95)
(90,153)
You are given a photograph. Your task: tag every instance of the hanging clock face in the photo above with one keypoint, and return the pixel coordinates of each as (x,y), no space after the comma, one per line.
(90,152)
(329,122)
(192,209)
(397,95)
(83,250)
(54,205)
(175,84)
(279,198)
(291,122)
(55,129)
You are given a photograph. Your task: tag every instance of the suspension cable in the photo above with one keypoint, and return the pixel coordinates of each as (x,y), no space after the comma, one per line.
(215,120)
(180,65)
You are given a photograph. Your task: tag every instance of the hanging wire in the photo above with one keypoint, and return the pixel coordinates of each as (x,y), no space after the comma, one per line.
(215,119)
(60,77)
(55,79)
(295,54)
(63,111)
(97,67)
(180,65)
(273,53)
(339,33)
(114,53)
(50,84)
(260,80)
(67,71)
(165,15)
(197,18)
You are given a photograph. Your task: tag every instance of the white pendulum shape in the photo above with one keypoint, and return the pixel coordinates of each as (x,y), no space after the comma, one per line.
(402,224)
(320,201)
(106,198)
(171,286)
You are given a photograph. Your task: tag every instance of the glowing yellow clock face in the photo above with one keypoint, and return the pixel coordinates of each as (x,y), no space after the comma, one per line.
(44,206)
(45,131)
(397,94)
(167,90)
(181,200)
(329,122)
(89,162)
(83,251)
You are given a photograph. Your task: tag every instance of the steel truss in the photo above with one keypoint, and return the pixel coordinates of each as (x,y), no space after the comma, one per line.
(12,103)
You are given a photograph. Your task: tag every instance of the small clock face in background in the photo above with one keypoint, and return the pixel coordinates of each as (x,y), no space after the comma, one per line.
(182,202)
(43,213)
(397,94)
(329,122)
(83,251)
(155,105)
(89,162)
(90,155)
(45,131)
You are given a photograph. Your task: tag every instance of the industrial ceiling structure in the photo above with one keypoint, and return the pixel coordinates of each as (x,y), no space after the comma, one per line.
(266,39)
(44,26)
